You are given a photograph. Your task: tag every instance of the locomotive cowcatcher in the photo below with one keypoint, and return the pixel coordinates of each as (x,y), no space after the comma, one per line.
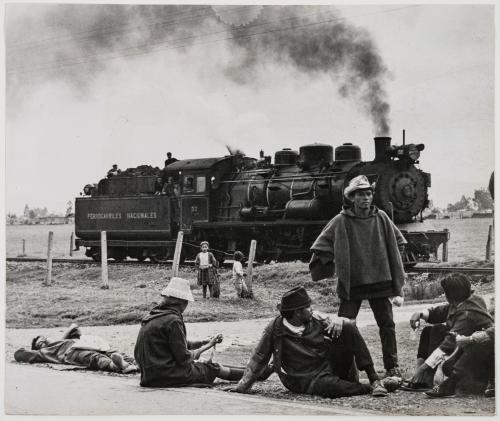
(232,199)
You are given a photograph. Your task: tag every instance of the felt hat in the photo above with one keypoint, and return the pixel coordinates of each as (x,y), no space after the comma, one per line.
(178,288)
(357,183)
(204,242)
(294,299)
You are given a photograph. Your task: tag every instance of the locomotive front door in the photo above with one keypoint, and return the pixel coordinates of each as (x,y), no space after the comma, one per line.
(193,208)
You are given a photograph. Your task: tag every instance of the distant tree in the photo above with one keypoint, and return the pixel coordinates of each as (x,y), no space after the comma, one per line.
(11,218)
(26,212)
(32,214)
(483,199)
(462,204)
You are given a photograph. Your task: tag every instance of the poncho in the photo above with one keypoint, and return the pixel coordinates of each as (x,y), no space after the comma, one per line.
(364,251)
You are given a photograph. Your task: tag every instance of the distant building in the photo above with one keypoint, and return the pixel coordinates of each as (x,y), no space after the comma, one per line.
(52,220)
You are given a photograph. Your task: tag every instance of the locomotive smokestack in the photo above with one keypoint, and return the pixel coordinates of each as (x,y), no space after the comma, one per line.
(382,145)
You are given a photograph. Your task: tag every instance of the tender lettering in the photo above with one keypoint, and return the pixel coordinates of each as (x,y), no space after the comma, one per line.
(141,215)
(105,215)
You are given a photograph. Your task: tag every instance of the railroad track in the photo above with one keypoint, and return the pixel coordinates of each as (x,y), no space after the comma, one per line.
(92,262)
(418,269)
(449,269)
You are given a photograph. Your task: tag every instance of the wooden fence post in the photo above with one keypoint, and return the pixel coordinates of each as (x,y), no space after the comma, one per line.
(71,241)
(48,279)
(445,248)
(177,254)
(104,261)
(251,258)
(24,248)
(488,243)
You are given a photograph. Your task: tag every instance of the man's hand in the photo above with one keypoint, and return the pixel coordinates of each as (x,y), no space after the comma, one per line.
(335,325)
(480,337)
(217,339)
(398,301)
(415,320)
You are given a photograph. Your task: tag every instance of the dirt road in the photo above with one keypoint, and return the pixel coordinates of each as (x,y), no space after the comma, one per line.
(88,393)
(93,394)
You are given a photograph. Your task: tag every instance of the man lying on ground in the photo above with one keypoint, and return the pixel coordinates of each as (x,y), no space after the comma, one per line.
(309,360)
(464,314)
(74,348)
(165,356)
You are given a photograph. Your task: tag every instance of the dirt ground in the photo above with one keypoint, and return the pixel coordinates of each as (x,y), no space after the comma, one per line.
(76,296)
(240,339)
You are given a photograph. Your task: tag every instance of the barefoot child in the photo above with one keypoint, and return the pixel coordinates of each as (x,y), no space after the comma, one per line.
(238,274)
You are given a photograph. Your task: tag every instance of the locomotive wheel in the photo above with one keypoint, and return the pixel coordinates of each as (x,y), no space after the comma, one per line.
(161,256)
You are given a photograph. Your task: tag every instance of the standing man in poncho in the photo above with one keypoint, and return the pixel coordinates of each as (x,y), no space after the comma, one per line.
(363,245)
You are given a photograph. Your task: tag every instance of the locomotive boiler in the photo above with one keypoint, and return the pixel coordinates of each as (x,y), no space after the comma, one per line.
(232,199)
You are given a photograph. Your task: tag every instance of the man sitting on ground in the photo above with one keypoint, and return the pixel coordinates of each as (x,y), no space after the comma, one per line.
(309,360)
(464,314)
(74,348)
(165,357)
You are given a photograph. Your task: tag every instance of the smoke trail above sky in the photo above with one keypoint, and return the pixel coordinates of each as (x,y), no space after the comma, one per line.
(84,39)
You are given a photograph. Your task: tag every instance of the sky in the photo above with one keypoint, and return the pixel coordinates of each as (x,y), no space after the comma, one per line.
(92,85)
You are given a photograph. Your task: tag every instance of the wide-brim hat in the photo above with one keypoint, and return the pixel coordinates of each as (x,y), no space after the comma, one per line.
(294,299)
(178,288)
(357,183)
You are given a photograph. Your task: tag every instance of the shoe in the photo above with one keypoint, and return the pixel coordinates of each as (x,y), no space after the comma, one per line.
(378,391)
(490,389)
(393,372)
(409,386)
(444,390)
(119,362)
(391,383)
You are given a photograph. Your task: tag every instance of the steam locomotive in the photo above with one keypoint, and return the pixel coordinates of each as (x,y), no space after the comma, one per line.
(232,199)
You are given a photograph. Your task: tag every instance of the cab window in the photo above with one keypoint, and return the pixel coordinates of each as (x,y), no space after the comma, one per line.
(188,184)
(201,184)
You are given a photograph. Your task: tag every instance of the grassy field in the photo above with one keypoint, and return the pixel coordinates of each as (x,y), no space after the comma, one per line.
(75,294)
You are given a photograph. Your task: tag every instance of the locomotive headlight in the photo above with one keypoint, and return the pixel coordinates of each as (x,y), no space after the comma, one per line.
(414,151)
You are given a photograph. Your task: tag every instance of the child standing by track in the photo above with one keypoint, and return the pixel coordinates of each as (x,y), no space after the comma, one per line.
(206,263)
(238,276)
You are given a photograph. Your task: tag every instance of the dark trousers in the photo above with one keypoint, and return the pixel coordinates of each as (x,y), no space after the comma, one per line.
(430,338)
(341,379)
(93,360)
(476,361)
(382,310)
(348,348)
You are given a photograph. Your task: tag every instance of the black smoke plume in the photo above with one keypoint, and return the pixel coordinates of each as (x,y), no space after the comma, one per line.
(312,39)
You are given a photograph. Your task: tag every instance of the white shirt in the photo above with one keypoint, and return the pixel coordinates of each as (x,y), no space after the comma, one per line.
(204,259)
(237,269)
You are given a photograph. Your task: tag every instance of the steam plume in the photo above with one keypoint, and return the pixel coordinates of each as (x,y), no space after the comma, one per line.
(312,39)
